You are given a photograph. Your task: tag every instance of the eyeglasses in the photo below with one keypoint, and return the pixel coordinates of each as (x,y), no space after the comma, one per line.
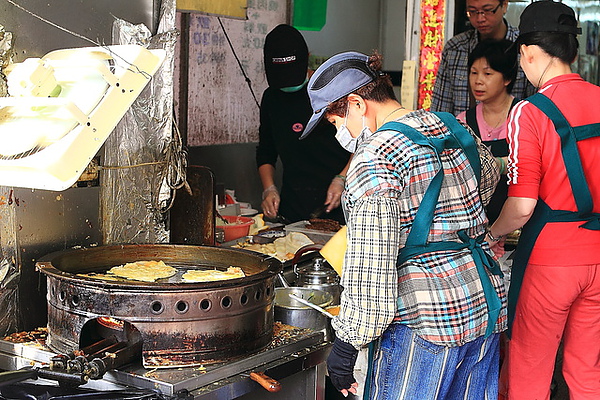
(483,13)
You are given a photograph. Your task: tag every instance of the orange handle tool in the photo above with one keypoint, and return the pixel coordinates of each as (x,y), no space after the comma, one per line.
(265,381)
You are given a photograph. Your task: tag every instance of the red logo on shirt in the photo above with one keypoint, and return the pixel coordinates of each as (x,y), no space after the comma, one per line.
(297,127)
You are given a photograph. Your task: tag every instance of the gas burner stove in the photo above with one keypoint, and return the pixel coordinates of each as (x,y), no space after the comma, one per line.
(173,381)
(292,350)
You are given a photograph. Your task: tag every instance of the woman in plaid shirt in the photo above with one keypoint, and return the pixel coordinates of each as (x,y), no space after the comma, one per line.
(417,282)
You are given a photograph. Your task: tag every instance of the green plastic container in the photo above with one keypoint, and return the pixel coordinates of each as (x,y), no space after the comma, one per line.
(309,15)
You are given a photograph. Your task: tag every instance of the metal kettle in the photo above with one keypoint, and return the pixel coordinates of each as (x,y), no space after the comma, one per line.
(319,275)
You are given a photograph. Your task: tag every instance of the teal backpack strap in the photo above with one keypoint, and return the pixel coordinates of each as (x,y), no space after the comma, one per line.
(579,186)
(422,222)
(466,140)
(416,243)
(587,131)
(458,137)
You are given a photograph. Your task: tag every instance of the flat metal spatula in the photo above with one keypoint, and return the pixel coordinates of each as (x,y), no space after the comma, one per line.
(318,212)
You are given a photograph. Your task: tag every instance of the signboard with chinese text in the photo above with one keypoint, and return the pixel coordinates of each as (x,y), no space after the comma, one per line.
(432,43)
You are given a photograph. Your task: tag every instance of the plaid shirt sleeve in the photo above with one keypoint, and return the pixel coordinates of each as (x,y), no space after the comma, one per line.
(451,88)
(370,294)
(441,98)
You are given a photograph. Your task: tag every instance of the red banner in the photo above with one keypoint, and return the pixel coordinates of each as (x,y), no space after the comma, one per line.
(432,43)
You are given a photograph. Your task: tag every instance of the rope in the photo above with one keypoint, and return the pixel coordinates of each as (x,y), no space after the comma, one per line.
(248,81)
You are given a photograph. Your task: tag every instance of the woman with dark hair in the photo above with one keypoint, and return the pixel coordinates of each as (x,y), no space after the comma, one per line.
(492,72)
(416,279)
(554,193)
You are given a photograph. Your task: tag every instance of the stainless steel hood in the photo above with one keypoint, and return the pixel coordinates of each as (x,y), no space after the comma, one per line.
(91,19)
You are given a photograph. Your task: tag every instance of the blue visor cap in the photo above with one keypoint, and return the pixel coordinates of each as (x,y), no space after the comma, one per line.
(337,77)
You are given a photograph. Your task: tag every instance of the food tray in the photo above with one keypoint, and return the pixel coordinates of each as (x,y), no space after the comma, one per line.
(319,237)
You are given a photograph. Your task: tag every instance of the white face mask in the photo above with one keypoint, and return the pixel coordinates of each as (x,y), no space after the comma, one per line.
(366,131)
(344,137)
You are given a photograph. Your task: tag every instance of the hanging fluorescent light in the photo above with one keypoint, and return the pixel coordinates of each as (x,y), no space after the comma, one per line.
(62,108)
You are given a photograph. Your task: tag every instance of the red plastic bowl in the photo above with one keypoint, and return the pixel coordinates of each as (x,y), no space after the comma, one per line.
(236,228)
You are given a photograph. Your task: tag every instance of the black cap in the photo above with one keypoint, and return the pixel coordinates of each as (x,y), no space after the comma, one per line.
(548,16)
(286,57)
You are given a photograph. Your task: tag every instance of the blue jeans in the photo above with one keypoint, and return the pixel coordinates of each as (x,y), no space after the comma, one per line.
(407,367)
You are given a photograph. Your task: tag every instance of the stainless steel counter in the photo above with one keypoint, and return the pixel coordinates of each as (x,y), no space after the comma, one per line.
(302,376)
(298,364)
